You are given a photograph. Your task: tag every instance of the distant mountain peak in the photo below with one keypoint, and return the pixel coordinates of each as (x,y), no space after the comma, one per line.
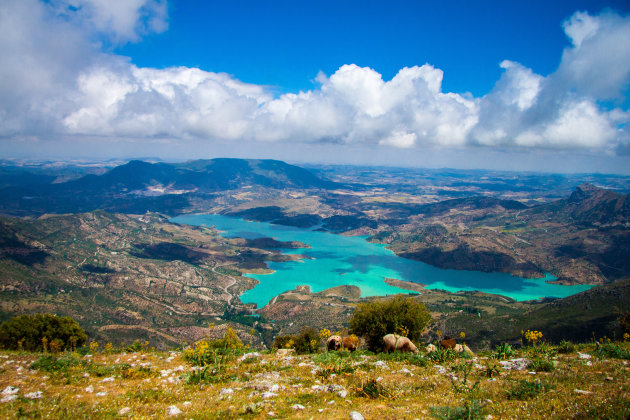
(592,204)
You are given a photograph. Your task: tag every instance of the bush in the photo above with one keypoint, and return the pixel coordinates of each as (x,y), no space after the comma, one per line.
(373,320)
(54,364)
(471,410)
(307,341)
(230,341)
(304,343)
(441,355)
(29,332)
(408,358)
(284,342)
(525,390)
(503,351)
(566,347)
(373,389)
(214,352)
(541,364)
(612,351)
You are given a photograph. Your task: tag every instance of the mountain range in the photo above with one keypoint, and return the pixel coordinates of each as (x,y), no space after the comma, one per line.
(138,186)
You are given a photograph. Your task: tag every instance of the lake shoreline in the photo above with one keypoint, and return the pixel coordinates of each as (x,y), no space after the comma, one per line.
(335,260)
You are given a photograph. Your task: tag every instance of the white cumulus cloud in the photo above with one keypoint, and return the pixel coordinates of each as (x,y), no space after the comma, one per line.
(67,85)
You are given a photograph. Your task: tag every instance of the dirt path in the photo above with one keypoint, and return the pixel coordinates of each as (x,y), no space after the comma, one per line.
(225,289)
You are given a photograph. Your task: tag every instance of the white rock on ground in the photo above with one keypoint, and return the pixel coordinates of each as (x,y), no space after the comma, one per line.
(124,411)
(249,356)
(89,389)
(297,407)
(514,364)
(101,394)
(34,395)
(10,390)
(266,395)
(172,410)
(226,391)
(355,415)
(441,369)
(579,391)
(8,398)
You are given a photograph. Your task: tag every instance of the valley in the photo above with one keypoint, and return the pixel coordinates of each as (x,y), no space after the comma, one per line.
(99,246)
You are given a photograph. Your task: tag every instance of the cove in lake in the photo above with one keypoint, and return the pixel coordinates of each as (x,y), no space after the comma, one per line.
(336,260)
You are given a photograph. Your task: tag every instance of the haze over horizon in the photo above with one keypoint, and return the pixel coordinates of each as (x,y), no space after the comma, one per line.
(524,86)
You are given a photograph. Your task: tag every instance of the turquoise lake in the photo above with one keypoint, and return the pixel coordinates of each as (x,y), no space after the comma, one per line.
(336,260)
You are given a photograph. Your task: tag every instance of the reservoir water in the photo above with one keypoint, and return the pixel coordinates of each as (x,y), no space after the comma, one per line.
(335,260)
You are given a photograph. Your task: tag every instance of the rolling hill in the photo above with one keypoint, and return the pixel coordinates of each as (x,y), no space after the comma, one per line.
(140,186)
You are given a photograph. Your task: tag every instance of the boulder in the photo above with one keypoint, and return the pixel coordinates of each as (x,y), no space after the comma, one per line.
(285,352)
(463,348)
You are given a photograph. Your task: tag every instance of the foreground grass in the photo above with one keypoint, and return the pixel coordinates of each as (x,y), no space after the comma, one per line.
(594,383)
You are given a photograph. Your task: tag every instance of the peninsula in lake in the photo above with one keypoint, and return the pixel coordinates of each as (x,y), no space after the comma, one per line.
(76,236)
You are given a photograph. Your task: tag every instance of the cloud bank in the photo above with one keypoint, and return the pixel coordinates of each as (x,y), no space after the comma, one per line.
(67,84)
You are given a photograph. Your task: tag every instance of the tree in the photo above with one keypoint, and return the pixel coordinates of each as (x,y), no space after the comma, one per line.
(399,315)
(27,332)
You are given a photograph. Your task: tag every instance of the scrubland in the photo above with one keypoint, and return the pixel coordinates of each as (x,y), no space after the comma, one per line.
(206,381)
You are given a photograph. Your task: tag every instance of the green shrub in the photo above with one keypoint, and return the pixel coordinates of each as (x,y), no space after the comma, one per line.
(409,358)
(493,368)
(525,390)
(284,342)
(307,341)
(304,343)
(373,320)
(29,332)
(215,352)
(340,367)
(373,389)
(441,355)
(543,350)
(566,347)
(205,375)
(53,364)
(134,347)
(612,351)
(503,351)
(541,364)
(230,341)
(472,409)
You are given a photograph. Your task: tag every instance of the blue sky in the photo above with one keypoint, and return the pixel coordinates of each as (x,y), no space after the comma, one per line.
(524,85)
(285,43)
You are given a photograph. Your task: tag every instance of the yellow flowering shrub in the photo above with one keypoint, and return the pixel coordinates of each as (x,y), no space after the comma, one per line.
(324,333)
(206,352)
(532,336)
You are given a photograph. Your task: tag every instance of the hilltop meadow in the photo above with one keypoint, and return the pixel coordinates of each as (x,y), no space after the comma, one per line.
(228,380)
